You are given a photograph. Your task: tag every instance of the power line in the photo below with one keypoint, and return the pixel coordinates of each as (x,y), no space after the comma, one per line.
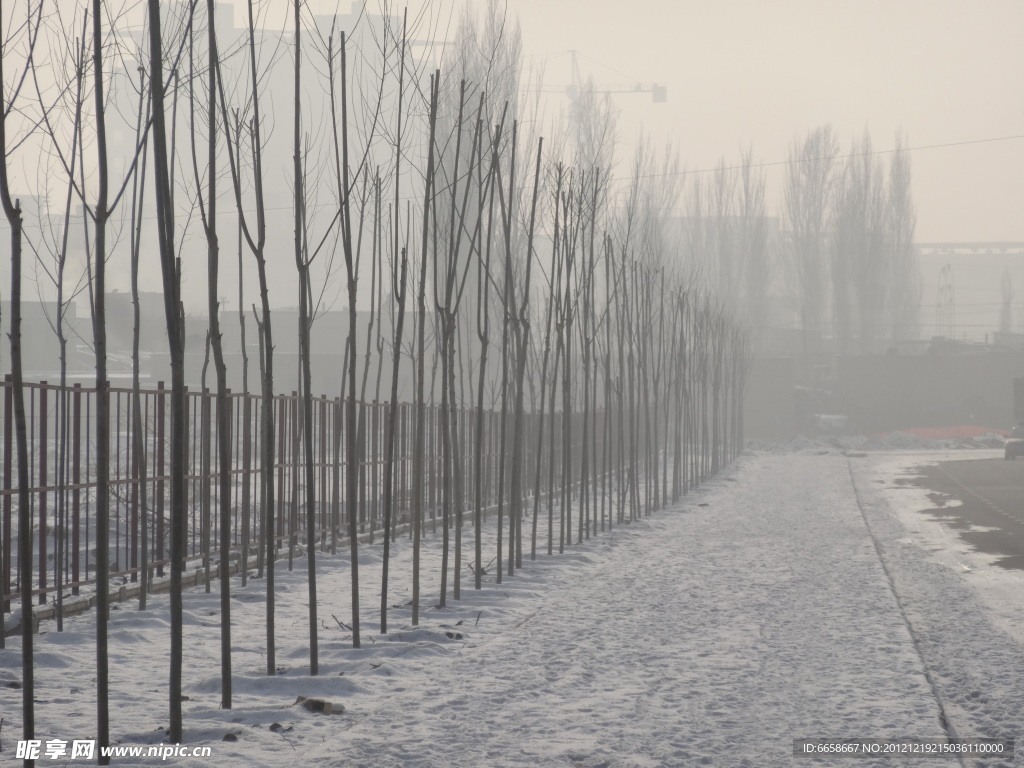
(835,157)
(771,164)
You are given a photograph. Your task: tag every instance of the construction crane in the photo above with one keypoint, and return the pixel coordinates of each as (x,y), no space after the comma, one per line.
(659,93)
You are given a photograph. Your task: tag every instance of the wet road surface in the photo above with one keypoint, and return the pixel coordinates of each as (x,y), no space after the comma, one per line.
(992,496)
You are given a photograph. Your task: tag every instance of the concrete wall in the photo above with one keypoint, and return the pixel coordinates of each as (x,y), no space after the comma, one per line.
(770,405)
(887,392)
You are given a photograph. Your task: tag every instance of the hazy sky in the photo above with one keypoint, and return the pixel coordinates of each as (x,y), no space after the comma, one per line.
(753,73)
(750,72)
(758,73)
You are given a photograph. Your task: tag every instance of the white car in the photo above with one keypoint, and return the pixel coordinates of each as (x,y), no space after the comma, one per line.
(1014,444)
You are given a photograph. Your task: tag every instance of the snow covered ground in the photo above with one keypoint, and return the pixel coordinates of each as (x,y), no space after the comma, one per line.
(801,594)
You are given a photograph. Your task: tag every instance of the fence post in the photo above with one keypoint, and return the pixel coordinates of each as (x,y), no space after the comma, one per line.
(336,475)
(281,448)
(246,483)
(230,406)
(146,541)
(322,517)
(43,387)
(190,494)
(374,467)
(133,519)
(361,442)
(5,565)
(400,465)
(296,474)
(117,479)
(205,524)
(76,493)
(432,452)
(160,471)
(261,489)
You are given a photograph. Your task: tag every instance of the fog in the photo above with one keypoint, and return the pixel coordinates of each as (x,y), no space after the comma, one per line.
(713,81)
(745,73)
(533,258)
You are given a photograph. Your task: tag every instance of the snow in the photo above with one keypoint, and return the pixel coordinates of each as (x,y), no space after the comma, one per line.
(893,441)
(800,594)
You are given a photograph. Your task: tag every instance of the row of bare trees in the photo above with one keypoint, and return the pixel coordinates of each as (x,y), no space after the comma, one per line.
(544,290)
(848,249)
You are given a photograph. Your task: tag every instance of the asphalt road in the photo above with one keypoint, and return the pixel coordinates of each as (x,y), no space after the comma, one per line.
(992,493)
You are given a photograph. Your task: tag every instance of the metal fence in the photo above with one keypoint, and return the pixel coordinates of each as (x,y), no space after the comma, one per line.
(62,449)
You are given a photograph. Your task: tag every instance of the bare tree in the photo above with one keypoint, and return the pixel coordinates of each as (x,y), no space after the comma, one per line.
(450,278)
(56,271)
(138,446)
(101,214)
(548,313)
(418,478)
(483,316)
(302,264)
(256,237)
(753,244)
(13,213)
(863,259)
(905,288)
(521,324)
(352,274)
(171,274)
(208,216)
(806,200)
